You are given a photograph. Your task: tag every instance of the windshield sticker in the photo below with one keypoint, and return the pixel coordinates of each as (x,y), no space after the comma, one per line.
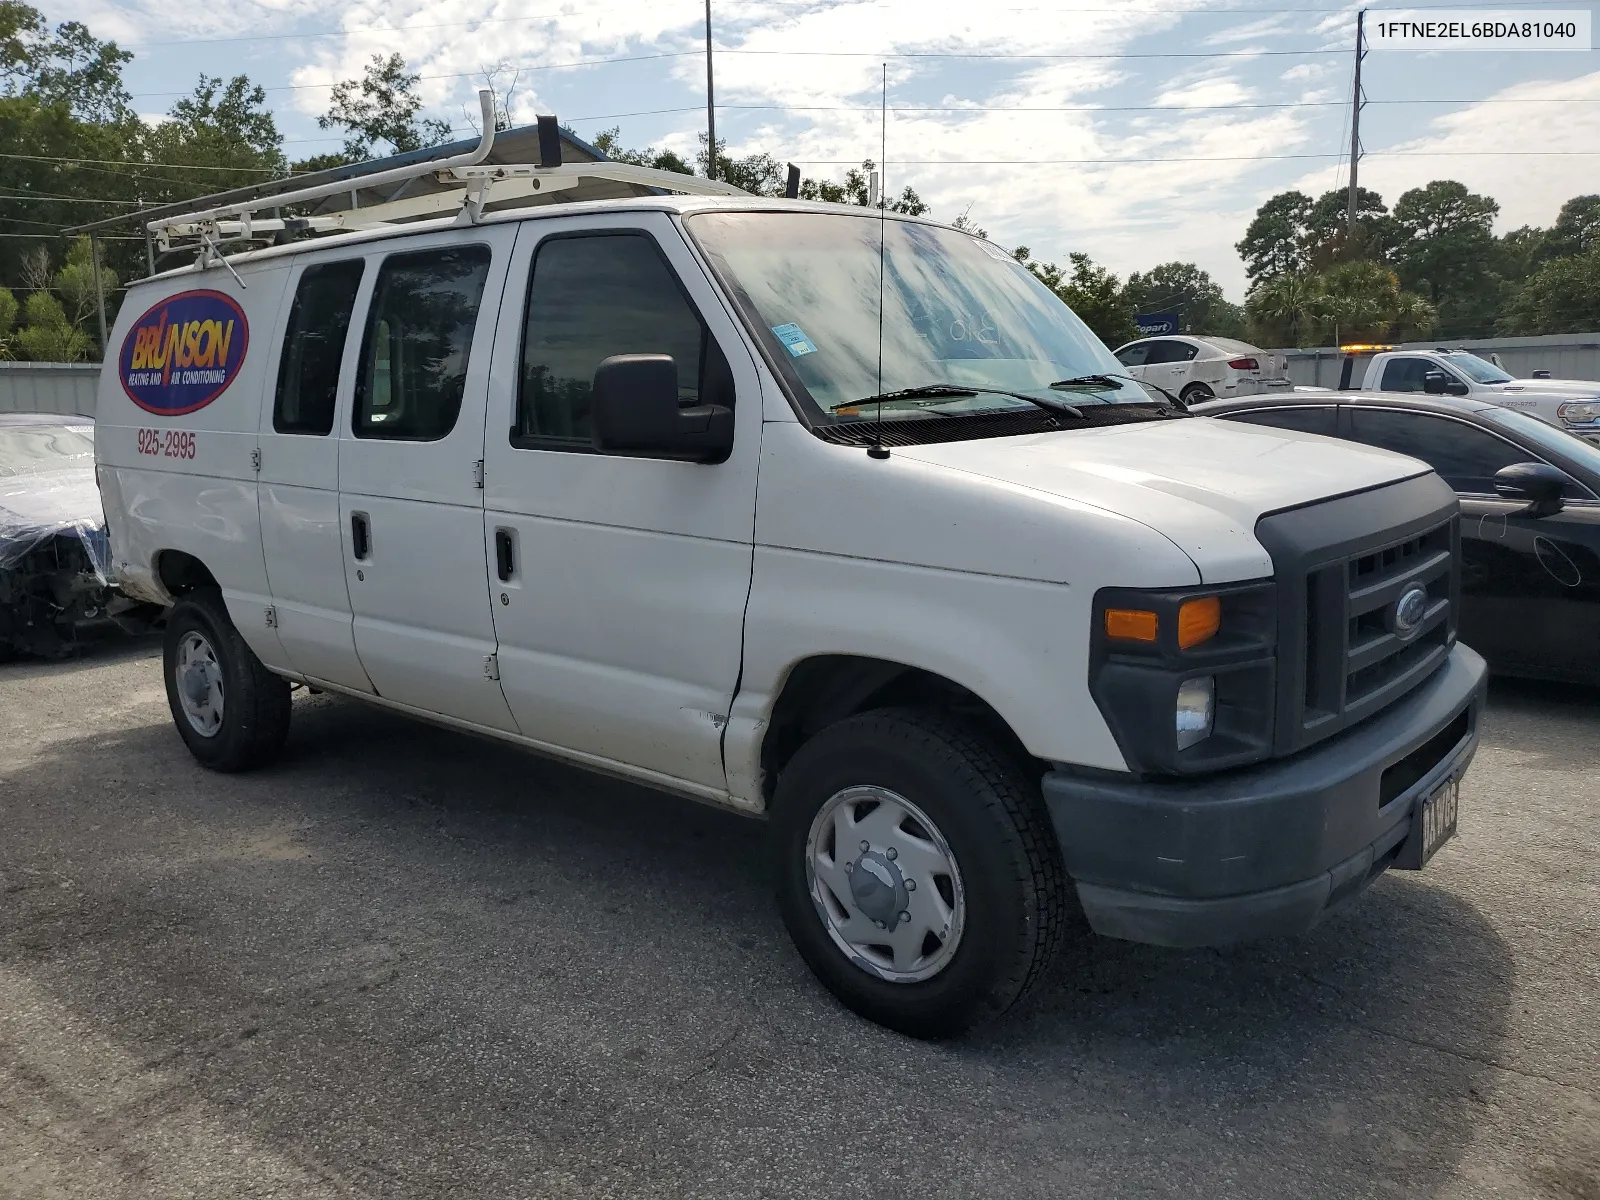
(183,353)
(794,340)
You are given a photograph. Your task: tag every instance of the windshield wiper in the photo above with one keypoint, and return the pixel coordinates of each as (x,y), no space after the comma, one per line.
(926,390)
(956,389)
(1087,380)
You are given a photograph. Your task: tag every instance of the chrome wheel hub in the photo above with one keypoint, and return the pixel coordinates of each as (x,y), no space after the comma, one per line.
(885,884)
(198,676)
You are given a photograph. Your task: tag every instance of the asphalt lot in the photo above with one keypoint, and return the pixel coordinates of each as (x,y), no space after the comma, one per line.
(409,963)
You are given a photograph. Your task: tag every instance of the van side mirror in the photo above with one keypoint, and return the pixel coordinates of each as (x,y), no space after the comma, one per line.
(635,410)
(1437,383)
(1538,483)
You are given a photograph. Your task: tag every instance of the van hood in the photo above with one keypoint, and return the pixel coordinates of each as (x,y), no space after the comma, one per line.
(1200,482)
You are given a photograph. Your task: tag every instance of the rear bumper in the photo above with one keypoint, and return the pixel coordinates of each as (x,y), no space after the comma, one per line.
(1265,850)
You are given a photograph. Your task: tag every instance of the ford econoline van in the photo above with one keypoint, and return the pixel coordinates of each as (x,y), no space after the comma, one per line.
(828,516)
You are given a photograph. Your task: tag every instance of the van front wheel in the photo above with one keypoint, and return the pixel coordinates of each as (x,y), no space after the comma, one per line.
(230,710)
(917,870)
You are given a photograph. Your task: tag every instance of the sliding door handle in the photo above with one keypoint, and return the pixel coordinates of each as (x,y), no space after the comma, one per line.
(505,554)
(360,536)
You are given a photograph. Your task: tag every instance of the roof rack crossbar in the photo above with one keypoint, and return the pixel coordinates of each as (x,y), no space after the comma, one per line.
(466,179)
(244,208)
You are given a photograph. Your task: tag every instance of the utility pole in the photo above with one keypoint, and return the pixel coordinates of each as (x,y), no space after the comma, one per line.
(1355,130)
(711,105)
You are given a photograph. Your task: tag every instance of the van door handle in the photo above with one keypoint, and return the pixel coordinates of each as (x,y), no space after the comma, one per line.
(360,535)
(505,554)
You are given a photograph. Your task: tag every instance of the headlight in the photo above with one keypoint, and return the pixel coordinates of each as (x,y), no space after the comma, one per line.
(1185,677)
(1579,412)
(1196,701)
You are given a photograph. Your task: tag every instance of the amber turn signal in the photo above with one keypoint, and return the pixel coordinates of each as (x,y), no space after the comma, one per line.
(1131,624)
(1198,620)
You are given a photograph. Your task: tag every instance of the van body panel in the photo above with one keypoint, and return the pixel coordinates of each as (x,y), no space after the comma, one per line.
(186,481)
(419,595)
(301,530)
(620,627)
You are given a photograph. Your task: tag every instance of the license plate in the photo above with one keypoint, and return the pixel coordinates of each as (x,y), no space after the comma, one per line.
(1437,816)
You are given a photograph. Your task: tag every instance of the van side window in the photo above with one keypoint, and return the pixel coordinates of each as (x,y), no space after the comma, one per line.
(591,297)
(313,344)
(418,343)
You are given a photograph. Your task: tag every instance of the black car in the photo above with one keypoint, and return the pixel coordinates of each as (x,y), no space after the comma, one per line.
(1530,514)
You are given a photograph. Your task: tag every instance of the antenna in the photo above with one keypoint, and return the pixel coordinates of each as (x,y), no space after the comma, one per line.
(878,449)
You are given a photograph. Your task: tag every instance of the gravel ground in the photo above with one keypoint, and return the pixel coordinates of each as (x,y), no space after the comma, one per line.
(409,963)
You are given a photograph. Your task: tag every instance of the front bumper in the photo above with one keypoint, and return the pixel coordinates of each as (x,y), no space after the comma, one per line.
(1269,849)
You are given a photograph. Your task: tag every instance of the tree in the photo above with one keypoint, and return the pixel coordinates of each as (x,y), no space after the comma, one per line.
(1090,291)
(1286,309)
(8,324)
(1327,238)
(1274,242)
(1189,291)
(1563,296)
(382,106)
(1363,302)
(1577,228)
(1446,251)
(69,67)
(609,143)
(857,189)
(75,284)
(47,335)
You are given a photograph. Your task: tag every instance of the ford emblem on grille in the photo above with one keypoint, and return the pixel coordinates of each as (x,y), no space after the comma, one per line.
(1409,611)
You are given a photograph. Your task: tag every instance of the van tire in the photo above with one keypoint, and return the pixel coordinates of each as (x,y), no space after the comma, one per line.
(255,703)
(992,817)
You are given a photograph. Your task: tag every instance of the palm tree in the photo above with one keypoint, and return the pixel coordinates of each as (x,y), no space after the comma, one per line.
(1286,310)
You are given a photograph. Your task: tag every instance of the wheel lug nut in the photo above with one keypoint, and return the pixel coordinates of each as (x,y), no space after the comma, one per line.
(911,885)
(904,916)
(865,846)
(848,867)
(891,854)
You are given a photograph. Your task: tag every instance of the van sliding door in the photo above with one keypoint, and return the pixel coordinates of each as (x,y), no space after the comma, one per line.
(411,503)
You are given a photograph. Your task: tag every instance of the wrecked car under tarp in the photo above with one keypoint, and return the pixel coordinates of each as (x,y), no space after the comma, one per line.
(55,569)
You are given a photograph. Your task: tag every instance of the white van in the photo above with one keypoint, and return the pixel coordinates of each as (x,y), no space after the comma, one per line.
(607,480)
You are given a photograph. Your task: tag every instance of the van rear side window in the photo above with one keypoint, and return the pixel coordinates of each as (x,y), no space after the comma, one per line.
(313,344)
(418,343)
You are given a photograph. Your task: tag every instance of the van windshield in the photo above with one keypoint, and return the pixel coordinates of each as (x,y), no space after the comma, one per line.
(956,311)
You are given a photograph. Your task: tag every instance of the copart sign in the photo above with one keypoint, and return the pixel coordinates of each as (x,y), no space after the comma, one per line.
(183,353)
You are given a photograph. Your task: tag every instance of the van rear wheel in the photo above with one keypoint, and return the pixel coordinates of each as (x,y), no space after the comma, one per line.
(917,870)
(230,710)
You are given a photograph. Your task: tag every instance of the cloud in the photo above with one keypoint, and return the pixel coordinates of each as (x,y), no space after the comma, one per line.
(1485,146)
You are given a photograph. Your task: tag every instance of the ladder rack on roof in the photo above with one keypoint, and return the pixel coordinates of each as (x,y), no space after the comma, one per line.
(469,185)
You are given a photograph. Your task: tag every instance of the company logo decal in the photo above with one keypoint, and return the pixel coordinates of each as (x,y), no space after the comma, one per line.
(183,353)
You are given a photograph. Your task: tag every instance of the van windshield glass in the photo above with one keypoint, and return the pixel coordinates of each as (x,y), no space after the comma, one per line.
(957,311)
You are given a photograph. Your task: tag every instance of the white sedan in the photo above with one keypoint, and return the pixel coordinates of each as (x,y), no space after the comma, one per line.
(1205,368)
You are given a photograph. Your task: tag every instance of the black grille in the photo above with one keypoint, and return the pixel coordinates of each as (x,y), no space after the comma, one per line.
(1352,606)
(1341,655)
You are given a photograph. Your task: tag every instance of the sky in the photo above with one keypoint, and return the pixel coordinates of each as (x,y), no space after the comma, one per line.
(1136,132)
